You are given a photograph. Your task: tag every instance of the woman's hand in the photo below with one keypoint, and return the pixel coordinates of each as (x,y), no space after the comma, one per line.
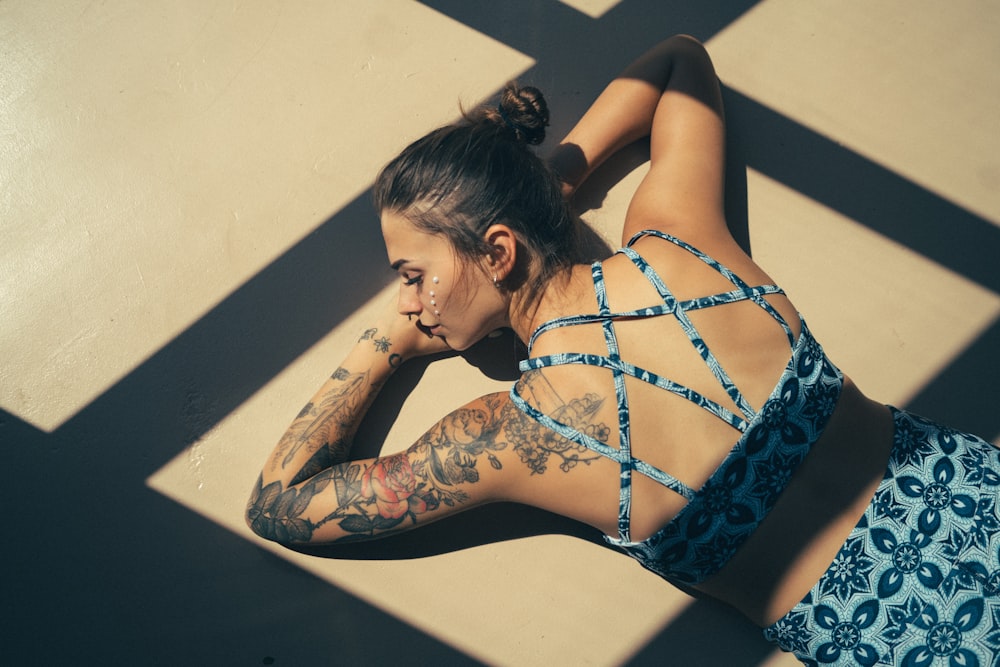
(406,338)
(569,164)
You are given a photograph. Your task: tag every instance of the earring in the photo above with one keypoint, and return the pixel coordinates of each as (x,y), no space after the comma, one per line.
(496,283)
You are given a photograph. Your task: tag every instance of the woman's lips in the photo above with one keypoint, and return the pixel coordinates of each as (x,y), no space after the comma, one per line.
(431,330)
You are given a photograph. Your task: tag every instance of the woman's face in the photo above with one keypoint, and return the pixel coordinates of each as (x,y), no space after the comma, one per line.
(450,298)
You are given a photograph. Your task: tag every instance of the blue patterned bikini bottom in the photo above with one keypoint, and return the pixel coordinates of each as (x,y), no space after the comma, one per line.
(918,580)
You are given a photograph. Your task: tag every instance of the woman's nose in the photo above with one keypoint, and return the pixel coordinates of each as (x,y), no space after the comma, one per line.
(409,303)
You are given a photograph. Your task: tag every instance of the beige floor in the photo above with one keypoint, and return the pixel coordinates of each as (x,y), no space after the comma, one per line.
(186,248)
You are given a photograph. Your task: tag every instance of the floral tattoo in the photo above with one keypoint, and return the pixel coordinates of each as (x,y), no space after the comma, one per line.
(382,344)
(393,491)
(535,444)
(380,497)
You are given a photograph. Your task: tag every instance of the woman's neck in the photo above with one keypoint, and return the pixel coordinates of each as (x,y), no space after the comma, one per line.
(560,296)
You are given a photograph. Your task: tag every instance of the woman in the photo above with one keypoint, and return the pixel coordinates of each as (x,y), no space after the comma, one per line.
(850,531)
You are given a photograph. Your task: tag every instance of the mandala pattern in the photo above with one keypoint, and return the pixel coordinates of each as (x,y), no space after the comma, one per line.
(917,583)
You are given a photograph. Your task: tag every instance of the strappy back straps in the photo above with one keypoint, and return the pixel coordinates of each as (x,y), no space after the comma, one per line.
(741,293)
(619,368)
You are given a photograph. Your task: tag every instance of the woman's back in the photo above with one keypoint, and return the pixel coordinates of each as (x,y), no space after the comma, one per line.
(730,357)
(667,430)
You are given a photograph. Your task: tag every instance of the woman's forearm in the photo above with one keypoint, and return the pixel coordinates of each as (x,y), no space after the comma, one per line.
(623,113)
(321,435)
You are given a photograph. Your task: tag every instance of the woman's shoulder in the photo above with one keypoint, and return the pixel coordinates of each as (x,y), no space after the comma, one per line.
(682,250)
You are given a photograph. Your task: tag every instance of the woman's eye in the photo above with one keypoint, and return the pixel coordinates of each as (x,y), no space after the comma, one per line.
(415,280)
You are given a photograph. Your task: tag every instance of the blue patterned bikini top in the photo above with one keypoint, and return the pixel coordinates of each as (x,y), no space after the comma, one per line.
(773,441)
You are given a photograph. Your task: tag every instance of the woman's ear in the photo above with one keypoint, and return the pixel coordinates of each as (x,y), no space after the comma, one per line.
(503,251)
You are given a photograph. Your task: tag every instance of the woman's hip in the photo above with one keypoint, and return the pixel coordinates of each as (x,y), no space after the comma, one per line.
(919,575)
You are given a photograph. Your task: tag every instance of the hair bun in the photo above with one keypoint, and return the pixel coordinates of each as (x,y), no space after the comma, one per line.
(523,111)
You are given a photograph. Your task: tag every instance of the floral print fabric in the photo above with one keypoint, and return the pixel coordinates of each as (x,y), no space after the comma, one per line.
(917,582)
(706,533)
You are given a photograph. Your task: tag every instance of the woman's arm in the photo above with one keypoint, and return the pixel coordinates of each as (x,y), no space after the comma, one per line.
(309,490)
(487,450)
(670,94)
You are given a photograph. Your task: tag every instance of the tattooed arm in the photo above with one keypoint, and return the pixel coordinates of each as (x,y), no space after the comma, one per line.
(309,491)
(451,467)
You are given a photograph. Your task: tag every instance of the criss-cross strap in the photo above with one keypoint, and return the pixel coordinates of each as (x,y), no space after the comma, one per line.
(620,369)
(598,447)
(626,461)
(755,294)
(601,361)
(720,515)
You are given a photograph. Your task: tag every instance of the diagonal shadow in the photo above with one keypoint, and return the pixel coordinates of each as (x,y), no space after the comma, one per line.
(864,191)
(575,55)
(149,582)
(126,576)
(964,394)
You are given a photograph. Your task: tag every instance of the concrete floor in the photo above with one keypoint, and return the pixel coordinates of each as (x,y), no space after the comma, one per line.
(186,247)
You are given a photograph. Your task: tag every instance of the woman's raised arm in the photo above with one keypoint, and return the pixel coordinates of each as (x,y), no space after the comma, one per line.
(670,94)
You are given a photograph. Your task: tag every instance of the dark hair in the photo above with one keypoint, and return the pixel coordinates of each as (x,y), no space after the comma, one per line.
(460,179)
